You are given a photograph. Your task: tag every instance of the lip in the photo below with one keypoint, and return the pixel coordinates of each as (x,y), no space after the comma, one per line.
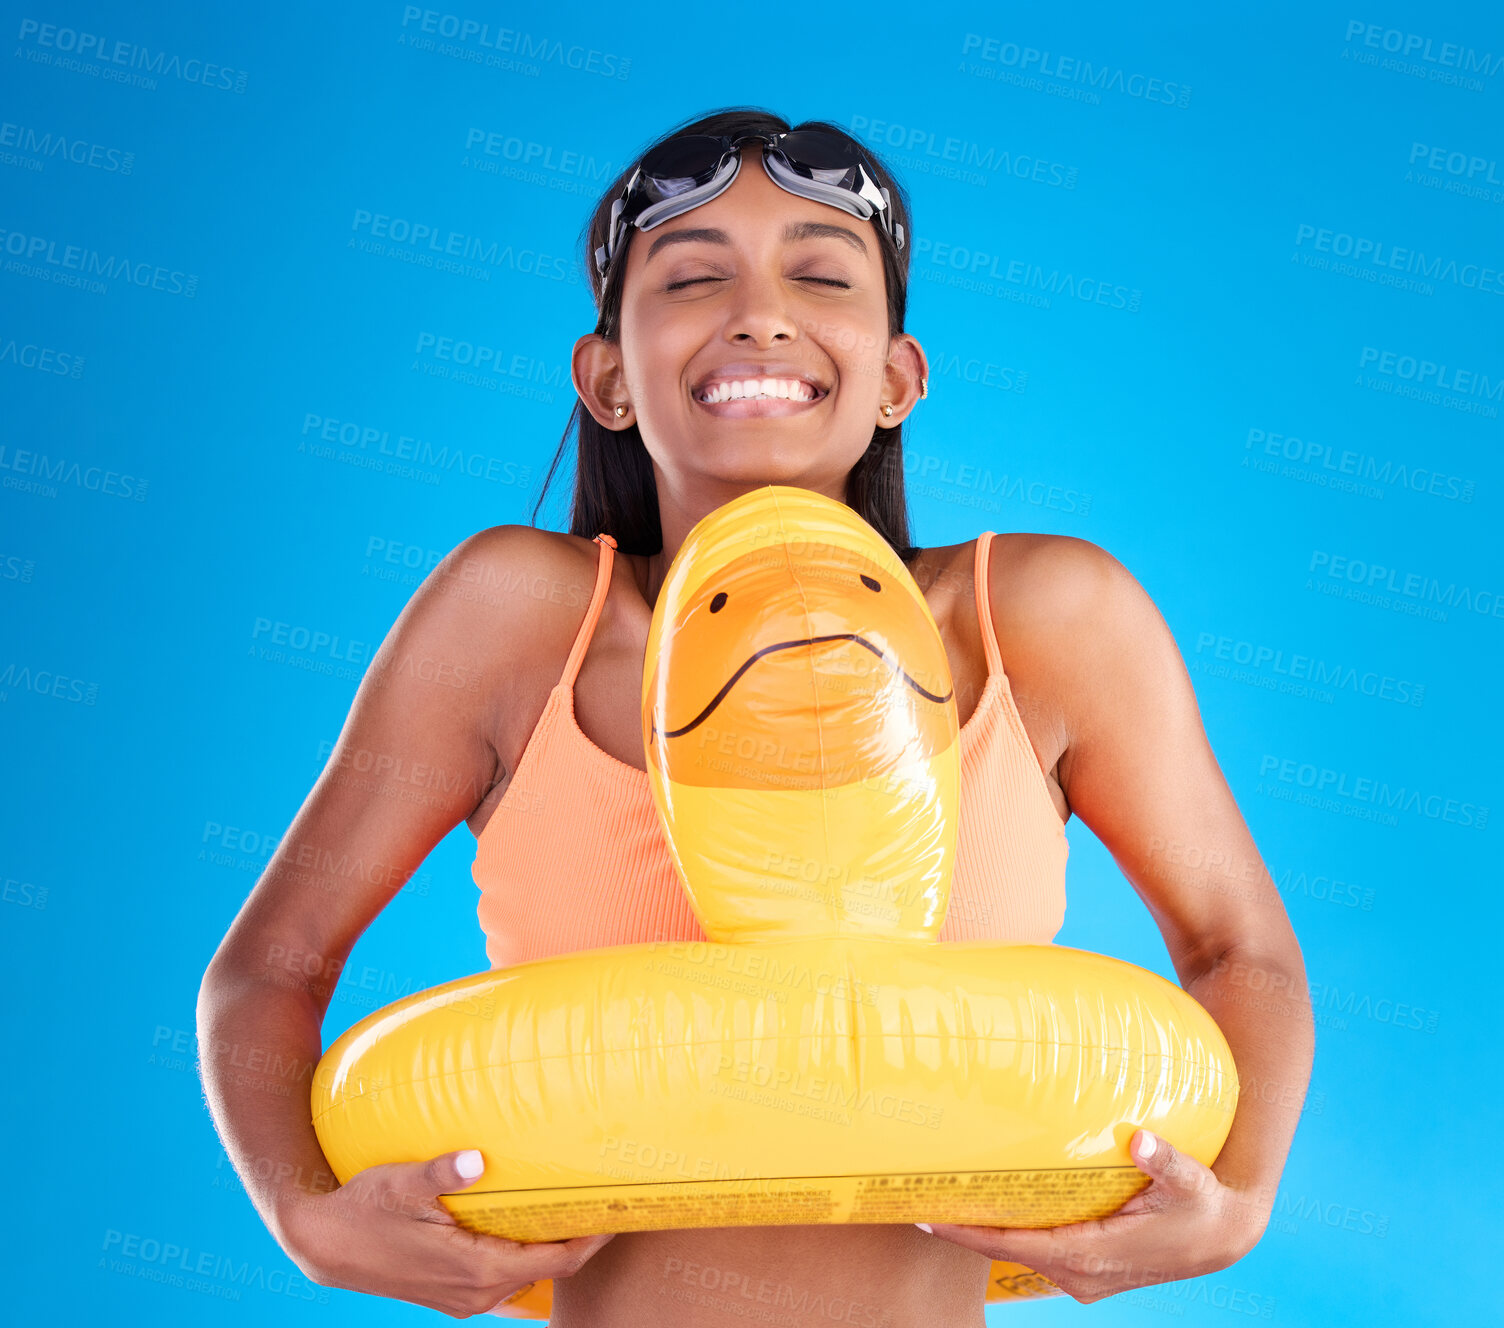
(751,407)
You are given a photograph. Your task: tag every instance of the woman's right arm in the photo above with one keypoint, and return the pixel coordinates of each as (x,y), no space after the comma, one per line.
(430,699)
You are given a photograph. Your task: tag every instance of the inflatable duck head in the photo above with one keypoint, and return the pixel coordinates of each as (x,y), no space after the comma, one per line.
(800,726)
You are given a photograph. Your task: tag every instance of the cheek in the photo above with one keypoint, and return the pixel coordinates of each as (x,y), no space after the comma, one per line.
(656,351)
(863,362)
(856,341)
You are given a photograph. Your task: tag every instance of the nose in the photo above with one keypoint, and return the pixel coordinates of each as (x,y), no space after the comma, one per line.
(760,311)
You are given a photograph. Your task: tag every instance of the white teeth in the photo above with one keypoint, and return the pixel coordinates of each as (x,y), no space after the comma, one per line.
(789,389)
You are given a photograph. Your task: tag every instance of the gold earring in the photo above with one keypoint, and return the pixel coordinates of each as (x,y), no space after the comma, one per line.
(887,409)
(620,411)
(924,388)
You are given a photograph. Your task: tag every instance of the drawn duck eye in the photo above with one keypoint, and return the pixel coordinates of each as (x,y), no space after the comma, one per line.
(870,582)
(718,602)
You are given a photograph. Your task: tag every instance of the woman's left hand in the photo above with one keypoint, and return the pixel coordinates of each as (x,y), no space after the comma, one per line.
(1185,1224)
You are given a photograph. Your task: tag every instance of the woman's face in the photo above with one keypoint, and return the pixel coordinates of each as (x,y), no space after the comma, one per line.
(757,283)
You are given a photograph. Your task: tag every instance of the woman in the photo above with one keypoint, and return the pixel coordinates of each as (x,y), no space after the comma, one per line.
(1071,694)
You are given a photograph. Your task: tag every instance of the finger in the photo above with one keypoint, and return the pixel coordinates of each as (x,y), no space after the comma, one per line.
(590,1243)
(1013,1244)
(449,1172)
(422,1183)
(586,1245)
(581,1248)
(551,1258)
(1168,1166)
(1142,1202)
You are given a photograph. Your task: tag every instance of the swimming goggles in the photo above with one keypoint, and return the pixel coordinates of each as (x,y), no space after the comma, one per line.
(684,172)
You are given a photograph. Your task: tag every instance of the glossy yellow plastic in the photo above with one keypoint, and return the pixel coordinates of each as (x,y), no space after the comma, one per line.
(822,1058)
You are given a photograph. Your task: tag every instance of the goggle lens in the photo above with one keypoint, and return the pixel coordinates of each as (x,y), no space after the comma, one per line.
(691,162)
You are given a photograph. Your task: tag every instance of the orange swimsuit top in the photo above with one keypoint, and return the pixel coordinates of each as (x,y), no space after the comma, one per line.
(573,857)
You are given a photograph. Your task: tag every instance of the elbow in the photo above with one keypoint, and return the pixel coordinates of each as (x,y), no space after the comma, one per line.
(210,992)
(1267,987)
(223,974)
(1262,941)
(1278,971)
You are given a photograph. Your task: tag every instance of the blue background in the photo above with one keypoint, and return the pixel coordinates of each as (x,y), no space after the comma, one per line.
(154,757)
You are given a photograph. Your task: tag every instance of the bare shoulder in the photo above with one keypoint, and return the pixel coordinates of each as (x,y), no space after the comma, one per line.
(1072,614)
(1053,578)
(522,578)
(515,596)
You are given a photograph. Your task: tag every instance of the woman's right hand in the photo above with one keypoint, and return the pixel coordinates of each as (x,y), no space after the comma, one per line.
(385,1232)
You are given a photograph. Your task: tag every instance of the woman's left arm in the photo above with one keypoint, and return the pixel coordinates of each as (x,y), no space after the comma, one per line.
(1139,772)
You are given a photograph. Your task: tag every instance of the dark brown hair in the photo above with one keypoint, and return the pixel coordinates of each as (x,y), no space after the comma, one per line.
(614,489)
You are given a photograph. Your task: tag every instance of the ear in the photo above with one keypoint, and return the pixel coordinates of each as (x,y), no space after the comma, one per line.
(903,375)
(596,369)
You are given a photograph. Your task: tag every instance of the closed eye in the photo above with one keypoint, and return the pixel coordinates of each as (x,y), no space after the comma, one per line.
(694,281)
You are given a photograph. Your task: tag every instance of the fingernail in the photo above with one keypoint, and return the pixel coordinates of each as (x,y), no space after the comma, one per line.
(470,1163)
(925,1226)
(1146,1144)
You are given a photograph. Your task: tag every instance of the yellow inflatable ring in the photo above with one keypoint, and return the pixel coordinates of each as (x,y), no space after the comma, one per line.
(822,1058)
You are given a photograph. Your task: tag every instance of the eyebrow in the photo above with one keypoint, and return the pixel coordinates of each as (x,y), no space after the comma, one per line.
(794,231)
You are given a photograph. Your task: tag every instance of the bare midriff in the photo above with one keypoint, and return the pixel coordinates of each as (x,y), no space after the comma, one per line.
(860,1276)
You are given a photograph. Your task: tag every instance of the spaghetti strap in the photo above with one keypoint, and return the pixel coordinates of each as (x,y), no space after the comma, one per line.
(984,606)
(592,612)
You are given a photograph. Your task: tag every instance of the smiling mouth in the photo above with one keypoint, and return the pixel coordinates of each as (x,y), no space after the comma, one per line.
(757,407)
(789,645)
(725,392)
